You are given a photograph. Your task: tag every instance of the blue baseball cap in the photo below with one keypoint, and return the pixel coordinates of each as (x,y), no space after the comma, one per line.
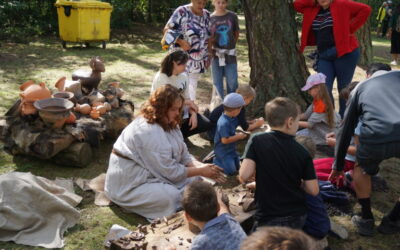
(233,100)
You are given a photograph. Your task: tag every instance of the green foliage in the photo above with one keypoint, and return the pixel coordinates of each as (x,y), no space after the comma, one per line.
(21,20)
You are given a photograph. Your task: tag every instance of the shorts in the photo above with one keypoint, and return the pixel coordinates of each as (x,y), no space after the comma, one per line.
(369,156)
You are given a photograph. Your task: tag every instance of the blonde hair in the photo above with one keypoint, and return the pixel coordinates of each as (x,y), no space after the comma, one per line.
(279,110)
(246,91)
(330,111)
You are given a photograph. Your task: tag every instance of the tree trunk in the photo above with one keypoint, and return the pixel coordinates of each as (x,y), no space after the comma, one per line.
(364,38)
(277,68)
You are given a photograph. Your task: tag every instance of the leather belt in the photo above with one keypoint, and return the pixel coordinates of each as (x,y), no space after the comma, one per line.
(120,155)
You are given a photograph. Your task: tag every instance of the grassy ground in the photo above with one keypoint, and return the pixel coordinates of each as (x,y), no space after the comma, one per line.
(132,57)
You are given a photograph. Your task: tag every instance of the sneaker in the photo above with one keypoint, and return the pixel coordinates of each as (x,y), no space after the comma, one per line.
(365,227)
(338,231)
(388,226)
(394,62)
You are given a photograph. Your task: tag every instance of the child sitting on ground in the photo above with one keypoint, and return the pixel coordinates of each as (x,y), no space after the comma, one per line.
(226,137)
(283,168)
(320,117)
(323,166)
(248,93)
(204,208)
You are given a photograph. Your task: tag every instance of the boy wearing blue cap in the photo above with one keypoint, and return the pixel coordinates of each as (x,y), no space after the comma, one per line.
(226,137)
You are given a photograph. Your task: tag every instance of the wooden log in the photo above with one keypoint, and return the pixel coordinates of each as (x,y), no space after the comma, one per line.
(79,154)
(117,119)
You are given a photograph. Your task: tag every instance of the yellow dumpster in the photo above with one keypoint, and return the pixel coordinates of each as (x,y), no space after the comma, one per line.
(83,21)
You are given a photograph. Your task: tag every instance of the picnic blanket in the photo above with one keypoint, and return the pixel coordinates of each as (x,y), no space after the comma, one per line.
(35,211)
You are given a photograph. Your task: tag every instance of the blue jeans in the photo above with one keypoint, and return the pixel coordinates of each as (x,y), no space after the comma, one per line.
(230,73)
(230,162)
(342,69)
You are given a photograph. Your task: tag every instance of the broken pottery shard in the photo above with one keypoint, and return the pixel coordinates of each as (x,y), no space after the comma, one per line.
(165,220)
(136,236)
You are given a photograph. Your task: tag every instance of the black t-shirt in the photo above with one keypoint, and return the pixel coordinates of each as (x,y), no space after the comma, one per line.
(281,164)
(323,30)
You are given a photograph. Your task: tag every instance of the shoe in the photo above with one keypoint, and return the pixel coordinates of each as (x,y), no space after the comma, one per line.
(365,227)
(339,231)
(388,226)
(393,62)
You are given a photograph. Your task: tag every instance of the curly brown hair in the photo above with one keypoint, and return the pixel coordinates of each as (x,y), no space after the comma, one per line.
(155,109)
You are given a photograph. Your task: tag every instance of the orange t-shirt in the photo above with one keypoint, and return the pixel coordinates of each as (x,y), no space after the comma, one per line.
(319,106)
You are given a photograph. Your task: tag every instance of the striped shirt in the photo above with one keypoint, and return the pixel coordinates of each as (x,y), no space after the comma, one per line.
(323,30)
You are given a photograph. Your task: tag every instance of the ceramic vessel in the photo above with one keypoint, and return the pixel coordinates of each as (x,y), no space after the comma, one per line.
(31,92)
(107,105)
(83,108)
(95,114)
(66,95)
(102,109)
(71,118)
(54,111)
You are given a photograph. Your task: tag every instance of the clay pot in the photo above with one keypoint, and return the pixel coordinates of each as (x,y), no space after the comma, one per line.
(31,92)
(113,84)
(83,108)
(66,95)
(60,84)
(95,114)
(54,111)
(102,109)
(108,106)
(95,104)
(115,87)
(96,96)
(71,119)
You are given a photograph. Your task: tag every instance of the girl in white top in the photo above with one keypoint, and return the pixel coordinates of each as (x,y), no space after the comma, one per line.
(172,72)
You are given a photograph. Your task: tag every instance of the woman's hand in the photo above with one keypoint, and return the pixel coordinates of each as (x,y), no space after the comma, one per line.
(214,172)
(183,44)
(193,121)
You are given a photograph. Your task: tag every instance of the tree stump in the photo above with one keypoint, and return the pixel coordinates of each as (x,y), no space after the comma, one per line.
(78,154)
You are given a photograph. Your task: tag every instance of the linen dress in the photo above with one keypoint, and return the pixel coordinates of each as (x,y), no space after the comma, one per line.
(151,183)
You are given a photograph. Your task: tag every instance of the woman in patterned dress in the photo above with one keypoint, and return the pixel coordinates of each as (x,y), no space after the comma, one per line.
(192,24)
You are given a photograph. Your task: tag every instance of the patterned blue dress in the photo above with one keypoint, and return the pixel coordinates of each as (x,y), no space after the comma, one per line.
(196,31)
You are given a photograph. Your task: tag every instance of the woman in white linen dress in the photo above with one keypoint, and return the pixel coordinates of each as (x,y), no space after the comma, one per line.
(150,163)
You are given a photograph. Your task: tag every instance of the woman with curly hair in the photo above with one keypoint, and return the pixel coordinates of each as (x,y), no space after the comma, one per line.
(150,164)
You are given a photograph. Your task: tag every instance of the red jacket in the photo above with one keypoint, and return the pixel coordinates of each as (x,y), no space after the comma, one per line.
(347,16)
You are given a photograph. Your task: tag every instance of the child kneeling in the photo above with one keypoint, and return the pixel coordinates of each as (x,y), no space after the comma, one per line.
(283,168)
(226,137)
(205,209)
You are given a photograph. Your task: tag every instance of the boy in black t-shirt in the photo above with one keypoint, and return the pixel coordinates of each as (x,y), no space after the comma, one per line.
(284,169)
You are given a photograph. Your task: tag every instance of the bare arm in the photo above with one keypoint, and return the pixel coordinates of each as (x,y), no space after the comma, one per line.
(303,124)
(256,123)
(206,170)
(311,187)
(230,139)
(247,170)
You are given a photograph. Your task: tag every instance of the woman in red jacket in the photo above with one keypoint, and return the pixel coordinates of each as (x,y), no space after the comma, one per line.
(331,26)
